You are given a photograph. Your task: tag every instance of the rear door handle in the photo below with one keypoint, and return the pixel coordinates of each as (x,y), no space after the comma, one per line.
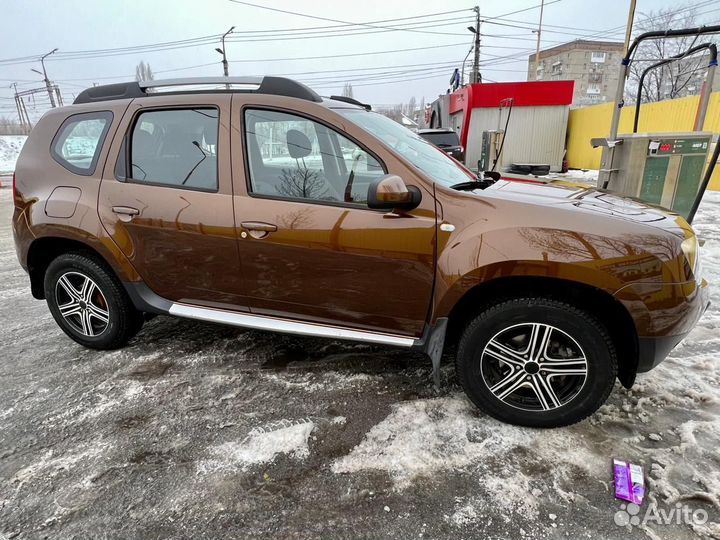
(125,213)
(257,229)
(259,226)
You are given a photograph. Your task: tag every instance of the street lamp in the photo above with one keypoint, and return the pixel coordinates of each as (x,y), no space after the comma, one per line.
(45,77)
(476,47)
(222,51)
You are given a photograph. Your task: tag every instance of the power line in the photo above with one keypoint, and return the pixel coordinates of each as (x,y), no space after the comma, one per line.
(316,17)
(264,60)
(104,53)
(521,10)
(350,32)
(346,27)
(203,40)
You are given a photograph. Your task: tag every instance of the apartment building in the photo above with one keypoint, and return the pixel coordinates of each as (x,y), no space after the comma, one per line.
(593,65)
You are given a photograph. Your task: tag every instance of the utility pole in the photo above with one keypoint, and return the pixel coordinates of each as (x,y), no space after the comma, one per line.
(619,94)
(22,111)
(17,104)
(476,56)
(606,166)
(222,51)
(539,32)
(45,77)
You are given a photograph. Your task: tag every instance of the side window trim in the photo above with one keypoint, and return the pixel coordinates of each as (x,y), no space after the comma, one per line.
(334,129)
(123,161)
(80,117)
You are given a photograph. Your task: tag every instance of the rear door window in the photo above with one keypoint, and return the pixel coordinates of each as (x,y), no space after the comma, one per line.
(176,147)
(77,144)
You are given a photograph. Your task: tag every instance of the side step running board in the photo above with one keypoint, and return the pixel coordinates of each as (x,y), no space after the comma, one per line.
(431,342)
(287,326)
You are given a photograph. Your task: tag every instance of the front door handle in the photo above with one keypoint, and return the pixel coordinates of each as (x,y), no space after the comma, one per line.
(125,213)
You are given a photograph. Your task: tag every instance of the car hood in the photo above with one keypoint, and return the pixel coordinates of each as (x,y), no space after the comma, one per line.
(588,199)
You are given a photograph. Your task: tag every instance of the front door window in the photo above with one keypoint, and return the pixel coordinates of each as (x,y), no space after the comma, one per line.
(296,158)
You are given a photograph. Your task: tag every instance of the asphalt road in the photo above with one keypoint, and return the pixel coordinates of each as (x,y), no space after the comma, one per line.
(203,431)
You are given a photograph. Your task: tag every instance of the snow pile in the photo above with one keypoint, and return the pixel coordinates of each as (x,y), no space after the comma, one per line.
(261,446)
(10,146)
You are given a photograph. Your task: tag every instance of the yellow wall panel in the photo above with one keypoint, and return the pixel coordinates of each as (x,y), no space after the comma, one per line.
(663,116)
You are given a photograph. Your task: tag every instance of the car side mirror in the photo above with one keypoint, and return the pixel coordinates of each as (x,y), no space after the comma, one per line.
(390,192)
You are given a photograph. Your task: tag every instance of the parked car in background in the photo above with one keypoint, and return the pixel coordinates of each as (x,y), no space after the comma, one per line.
(261,204)
(447,140)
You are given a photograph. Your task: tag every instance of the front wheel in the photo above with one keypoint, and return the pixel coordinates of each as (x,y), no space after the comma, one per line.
(88,303)
(536,362)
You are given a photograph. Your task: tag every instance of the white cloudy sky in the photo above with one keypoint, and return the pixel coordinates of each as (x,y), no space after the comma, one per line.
(32,27)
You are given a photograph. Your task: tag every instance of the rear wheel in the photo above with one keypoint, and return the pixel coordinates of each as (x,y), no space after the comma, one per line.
(536,362)
(88,303)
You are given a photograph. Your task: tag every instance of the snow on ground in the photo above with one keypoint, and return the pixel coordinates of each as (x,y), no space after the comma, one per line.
(669,422)
(578,175)
(261,446)
(10,146)
(205,431)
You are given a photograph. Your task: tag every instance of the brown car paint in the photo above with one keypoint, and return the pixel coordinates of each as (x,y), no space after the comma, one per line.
(626,248)
(347,265)
(331,263)
(183,242)
(37,174)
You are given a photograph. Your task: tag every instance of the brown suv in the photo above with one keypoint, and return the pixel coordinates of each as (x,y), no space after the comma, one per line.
(256,202)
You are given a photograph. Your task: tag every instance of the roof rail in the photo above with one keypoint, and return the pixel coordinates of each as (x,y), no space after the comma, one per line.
(195,81)
(352,101)
(278,86)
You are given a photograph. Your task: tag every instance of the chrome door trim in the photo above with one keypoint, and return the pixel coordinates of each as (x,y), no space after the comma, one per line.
(273,324)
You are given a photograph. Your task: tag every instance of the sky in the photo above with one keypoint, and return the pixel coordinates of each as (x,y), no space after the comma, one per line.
(268,42)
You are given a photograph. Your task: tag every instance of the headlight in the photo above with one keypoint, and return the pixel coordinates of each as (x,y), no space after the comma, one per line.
(691,249)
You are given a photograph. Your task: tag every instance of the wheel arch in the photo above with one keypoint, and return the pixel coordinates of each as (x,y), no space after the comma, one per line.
(609,311)
(44,250)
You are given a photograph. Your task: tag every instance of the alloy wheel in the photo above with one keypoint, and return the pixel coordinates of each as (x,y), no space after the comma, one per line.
(82,304)
(534,366)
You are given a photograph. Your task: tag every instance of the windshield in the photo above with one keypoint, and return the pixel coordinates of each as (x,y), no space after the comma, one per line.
(422,154)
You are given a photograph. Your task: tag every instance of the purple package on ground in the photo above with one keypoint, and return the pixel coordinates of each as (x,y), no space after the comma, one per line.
(629,481)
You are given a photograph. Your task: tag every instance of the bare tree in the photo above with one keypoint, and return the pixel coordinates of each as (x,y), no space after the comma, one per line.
(303,183)
(10,126)
(411,106)
(347,90)
(680,78)
(421,115)
(143,72)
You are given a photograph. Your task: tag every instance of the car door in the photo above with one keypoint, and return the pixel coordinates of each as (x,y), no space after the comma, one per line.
(166,201)
(310,247)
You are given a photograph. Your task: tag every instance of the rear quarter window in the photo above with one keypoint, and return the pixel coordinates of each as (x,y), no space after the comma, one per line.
(78,142)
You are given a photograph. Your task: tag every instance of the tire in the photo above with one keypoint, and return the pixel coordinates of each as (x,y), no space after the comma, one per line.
(529,386)
(88,302)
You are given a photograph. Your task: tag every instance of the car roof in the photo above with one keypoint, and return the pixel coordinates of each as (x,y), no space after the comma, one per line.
(333,103)
(268,85)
